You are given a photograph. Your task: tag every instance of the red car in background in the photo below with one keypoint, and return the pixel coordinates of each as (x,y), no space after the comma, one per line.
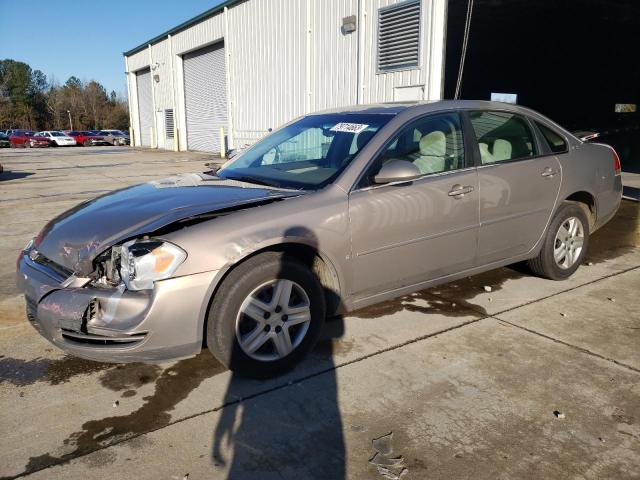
(87,139)
(26,139)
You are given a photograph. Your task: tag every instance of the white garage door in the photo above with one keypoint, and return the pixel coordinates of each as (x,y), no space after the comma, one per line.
(145,106)
(205,93)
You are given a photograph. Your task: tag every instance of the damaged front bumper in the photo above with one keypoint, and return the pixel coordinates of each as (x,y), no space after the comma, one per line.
(115,324)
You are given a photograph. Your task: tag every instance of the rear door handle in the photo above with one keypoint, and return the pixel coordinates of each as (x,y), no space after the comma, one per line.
(549,172)
(459,191)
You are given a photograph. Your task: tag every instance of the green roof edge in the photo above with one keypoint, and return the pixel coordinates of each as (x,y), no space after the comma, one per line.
(192,21)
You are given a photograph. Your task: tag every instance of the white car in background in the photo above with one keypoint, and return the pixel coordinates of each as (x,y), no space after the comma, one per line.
(59,139)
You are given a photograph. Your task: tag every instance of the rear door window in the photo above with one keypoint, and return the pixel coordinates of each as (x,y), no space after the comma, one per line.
(502,137)
(554,140)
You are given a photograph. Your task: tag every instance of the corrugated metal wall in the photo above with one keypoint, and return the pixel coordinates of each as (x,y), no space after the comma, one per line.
(267,53)
(286,58)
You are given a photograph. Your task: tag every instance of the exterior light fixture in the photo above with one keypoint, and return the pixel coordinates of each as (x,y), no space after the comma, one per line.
(349,24)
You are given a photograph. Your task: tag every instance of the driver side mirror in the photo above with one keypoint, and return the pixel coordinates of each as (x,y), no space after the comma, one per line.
(397,171)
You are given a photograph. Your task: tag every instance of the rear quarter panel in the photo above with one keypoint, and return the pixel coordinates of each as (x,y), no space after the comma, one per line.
(589,167)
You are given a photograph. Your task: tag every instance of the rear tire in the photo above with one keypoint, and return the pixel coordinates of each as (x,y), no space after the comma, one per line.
(565,244)
(258,281)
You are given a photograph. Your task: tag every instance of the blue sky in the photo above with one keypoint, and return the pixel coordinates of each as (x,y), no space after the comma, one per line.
(86,39)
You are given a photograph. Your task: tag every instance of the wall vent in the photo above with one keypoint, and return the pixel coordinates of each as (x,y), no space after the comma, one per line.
(399,36)
(169,125)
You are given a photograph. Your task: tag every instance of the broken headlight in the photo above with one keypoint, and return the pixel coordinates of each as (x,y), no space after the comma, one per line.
(143,262)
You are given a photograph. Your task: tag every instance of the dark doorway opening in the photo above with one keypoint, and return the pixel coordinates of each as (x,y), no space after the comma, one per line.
(572,60)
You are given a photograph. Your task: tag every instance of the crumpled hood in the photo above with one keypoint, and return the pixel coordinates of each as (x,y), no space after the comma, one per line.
(74,238)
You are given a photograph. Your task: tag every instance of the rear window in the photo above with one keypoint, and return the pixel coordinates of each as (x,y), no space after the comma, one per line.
(502,137)
(556,143)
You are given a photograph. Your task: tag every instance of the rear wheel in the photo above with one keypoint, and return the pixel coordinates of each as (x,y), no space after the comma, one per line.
(565,244)
(266,315)
(86,143)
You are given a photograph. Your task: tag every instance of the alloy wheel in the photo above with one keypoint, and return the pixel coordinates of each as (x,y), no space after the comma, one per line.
(273,320)
(568,242)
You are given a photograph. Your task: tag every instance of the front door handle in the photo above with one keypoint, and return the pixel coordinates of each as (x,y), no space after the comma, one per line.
(549,172)
(459,191)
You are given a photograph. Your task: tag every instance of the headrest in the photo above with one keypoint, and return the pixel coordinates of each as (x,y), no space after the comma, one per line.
(502,149)
(434,144)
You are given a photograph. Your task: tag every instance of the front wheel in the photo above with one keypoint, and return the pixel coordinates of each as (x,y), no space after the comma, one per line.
(266,315)
(565,243)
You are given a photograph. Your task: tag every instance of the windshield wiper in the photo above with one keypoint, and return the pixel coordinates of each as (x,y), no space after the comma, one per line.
(257,181)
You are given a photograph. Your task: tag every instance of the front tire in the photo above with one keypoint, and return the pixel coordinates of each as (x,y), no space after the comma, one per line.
(565,243)
(266,316)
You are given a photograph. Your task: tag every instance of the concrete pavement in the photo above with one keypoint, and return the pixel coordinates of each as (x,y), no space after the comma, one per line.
(466,381)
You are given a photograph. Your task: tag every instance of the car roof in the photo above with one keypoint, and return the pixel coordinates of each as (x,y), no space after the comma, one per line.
(426,105)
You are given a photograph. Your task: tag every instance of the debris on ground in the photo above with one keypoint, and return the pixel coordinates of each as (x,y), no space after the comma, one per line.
(558,414)
(601,439)
(563,314)
(116,403)
(589,264)
(388,465)
(487,288)
(612,299)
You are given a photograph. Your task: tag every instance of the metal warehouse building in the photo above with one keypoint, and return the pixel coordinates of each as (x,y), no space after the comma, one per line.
(248,66)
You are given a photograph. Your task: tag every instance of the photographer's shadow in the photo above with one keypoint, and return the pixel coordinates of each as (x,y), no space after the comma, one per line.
(286,427)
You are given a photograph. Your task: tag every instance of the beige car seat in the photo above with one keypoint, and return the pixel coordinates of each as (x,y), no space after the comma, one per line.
(502,150)
(485,155)
(433,150)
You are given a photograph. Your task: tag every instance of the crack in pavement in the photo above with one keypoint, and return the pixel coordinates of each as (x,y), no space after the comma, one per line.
(495,316)
(570,345)
(381,351)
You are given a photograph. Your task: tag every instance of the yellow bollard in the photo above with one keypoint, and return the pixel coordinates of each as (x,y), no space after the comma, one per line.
(131,140)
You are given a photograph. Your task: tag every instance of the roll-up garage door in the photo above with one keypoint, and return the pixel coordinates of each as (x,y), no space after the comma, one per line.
(145,106)
(205,93)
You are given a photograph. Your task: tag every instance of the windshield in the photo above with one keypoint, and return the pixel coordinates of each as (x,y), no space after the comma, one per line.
(309,153)
(58,134)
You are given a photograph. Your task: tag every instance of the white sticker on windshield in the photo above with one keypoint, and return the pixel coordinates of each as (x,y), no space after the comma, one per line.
(349,127)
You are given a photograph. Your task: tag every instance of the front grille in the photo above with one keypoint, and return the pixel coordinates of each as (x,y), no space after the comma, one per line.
(104,340)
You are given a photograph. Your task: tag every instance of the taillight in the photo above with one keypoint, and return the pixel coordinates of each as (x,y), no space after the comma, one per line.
(616,162)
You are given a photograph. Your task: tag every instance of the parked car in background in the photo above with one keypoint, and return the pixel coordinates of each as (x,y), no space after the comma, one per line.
(57,138)
(20,138)
(333,212)
(87,139)
(4,140)
(115,137)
